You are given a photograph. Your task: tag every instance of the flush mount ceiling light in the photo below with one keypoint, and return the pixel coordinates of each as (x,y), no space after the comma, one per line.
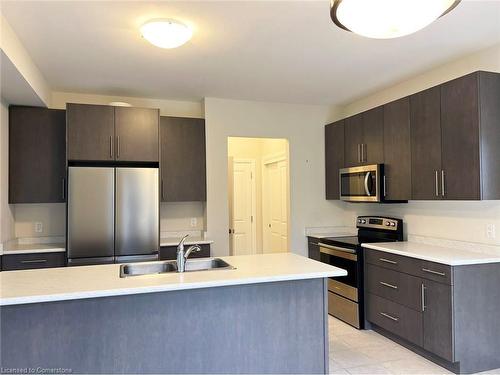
(165,33)
(385,19)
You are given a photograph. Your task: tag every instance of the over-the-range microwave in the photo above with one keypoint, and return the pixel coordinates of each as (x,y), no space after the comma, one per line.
(362,184)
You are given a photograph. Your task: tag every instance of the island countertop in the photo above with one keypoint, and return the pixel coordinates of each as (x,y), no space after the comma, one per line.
(67,283)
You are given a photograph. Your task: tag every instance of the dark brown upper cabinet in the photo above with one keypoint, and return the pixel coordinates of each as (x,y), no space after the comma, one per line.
(37,155)
(425,120)
(397,151)
(91,132)
(137,134)
(364,137)
(106,133)
(334,158)
(456,139)
(183,159)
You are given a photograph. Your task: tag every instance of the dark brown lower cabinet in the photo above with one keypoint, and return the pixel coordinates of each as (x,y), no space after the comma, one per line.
(170,252)
(446,313)
(313,248)
(12,262)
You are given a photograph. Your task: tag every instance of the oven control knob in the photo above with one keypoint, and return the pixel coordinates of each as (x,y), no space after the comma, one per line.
(393,224)
(362,221)
(387,224)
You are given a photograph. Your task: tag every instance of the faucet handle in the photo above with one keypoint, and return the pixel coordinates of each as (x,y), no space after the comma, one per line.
(180,246)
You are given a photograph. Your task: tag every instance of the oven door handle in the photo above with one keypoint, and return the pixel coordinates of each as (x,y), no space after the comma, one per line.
(367,177)
(338,251)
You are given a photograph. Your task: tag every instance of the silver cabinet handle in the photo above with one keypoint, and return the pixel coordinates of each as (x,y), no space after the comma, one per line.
(367,177)
(423,296)
(117,146)
(443,190)
(161,187)
(35,261)
(111,147)
(393,318)
(437,184)
(387,261)
(433,272)
(63,188)
(385,187)
(388,285)
(359,152)
(363,152)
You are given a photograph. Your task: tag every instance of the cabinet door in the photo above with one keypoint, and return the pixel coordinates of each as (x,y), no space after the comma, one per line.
(353,140)
(425,125)
(183,159)
(460,139)
(397,150)
(137,134)
(37,155)
(334,158)
(90,132)
(438,337)
(373,136)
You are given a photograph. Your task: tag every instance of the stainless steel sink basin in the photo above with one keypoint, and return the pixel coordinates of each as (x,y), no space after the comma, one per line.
(137,269)
(151,268)
(205,264)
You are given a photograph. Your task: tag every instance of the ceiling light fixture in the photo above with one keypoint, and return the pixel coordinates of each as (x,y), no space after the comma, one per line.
(385,19)
(166,33)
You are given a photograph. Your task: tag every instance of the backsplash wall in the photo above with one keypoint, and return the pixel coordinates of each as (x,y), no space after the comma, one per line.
(460,221)
(176,217)
(51,215)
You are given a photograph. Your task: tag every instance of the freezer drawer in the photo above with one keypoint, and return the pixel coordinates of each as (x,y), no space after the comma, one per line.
(137,211)
(91,212)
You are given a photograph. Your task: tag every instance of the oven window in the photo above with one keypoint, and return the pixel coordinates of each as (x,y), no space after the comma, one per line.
(349,265)
(353,184)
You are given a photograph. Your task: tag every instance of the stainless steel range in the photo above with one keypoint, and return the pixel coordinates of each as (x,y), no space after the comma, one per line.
(345,294)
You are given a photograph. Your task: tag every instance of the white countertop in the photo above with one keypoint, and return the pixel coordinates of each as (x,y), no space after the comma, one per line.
(174,241)
(16,248)
(66,283)
(433,253)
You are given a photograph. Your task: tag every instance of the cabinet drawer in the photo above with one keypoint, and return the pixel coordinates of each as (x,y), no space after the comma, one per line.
(36,260)
(170,252)
(394,286)
(395,318)
(392,261)
(438,272)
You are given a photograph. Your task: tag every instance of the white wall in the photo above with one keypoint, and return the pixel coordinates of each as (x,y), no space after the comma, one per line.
(464,221)
(6,215)
(303,127)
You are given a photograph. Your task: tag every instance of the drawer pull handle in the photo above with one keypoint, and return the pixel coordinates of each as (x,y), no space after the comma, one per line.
(388,261)
(393,318)
(389,285)
(34,261)
(433,272)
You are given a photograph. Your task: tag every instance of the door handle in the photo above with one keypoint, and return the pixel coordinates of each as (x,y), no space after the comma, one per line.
(111,147)
(368,174)
(117,146)
(393,318)
(387,261)
(34,261)
(63,188)
(388,285)
(434,272)
(437,184)
(423,297)
(385,187)
(363,152)
(359,153)
(443,190)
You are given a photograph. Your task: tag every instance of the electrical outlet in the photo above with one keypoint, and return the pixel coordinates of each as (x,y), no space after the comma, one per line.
(491,231)
(38,227)
(194,222)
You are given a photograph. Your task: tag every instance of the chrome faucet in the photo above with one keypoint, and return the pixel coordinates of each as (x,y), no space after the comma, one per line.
(182,256)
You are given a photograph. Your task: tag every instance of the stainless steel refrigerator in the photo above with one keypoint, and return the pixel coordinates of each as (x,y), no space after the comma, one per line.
(113,215)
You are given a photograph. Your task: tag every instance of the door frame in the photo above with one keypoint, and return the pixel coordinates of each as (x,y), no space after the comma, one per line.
(270,159)
(253,194)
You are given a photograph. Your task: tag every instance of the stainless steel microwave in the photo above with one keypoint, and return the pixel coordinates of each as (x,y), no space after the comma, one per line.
(362,184)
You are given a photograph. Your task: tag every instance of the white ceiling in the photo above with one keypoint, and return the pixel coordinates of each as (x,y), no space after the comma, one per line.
(282,51)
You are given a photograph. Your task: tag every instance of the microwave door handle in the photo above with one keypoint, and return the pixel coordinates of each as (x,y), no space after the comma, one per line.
(367,177)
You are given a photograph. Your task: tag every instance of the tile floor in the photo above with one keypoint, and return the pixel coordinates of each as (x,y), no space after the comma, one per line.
(366,352)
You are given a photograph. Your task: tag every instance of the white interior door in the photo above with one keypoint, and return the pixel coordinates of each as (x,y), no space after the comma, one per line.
(242,207)
(275,191)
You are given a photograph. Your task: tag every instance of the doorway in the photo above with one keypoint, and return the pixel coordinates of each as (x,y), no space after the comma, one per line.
(258,193)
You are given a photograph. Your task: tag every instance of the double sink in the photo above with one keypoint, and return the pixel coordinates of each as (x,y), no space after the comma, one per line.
(204,264)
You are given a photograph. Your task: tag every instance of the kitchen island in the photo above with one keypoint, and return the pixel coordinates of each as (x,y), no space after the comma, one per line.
(268,315)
